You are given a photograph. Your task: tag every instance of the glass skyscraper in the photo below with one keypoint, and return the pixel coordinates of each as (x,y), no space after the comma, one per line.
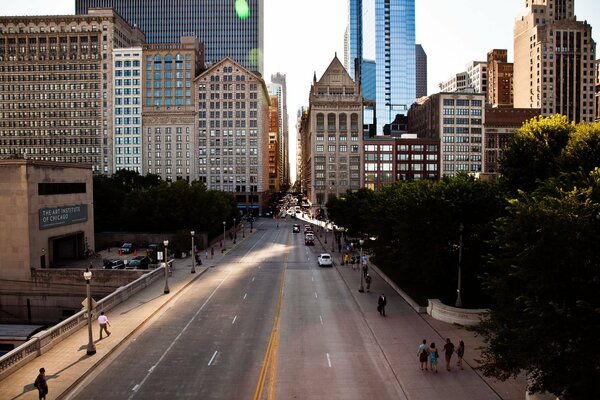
(214,22)
(381,35)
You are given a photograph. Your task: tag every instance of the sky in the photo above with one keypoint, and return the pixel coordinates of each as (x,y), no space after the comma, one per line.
(302,37)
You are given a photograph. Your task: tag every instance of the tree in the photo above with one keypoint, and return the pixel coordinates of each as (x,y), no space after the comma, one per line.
(544,277)
(533,154)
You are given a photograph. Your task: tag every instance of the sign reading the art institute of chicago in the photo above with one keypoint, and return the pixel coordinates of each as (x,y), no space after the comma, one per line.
(59,216)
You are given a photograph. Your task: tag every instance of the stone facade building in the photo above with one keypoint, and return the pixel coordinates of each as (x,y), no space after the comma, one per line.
(56,86)
(233,133)
(554,61)
(332,151)
(500,79)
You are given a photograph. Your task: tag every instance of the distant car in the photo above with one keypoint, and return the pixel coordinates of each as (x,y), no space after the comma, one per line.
(307,228)
(113,264)
(325,260)
(127,248)
(139,262)
(296,228)
(309,239)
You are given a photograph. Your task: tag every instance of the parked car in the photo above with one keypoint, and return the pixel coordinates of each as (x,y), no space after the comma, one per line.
(307,228)
(309,239)
(296,228)
(127,248)
(325,260)
(139,262)
(113,263)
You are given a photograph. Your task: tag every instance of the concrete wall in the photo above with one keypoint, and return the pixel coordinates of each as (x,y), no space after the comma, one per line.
(453,315)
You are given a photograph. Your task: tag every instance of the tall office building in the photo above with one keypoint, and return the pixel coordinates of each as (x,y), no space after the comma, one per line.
(284,134)
(233,133)
(381,35)
(169,108)
(421,71)
(224,32)
(474,79)
(332,136)
(56,96)
(500,79)
(554,60)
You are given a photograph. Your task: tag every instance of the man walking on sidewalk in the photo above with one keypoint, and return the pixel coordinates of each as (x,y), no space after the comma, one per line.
(41,385)
(103,322)
(381,303)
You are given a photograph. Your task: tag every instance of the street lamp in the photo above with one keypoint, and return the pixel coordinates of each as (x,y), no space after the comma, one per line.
(332,238)
(361,288)
(460,231)
(91,348)
(223,234)
(234,231)
(193,253)
(166,243)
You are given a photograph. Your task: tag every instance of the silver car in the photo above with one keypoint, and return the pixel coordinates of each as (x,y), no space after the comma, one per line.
(325,260)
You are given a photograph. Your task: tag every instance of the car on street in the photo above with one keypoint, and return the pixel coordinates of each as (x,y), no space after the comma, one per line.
(113,263)
(296,228)
(325,260)
(309,239)
(307,228)
(139,262)
(127,248)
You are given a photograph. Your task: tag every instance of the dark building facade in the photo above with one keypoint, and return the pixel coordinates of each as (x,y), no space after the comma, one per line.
(500,126)
(224,32)
(421,71)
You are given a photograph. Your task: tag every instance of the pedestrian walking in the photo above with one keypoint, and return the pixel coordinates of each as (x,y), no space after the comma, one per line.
(381,303)
(368,280)
(448,351)
(423,354)
(103,322)
(365,270)
(212,253)
(460,352)
(433,357)
(41,385)
(221,243)
(353,261)
(206,254)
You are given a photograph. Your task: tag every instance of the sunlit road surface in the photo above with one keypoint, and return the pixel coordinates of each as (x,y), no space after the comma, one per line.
(266,322)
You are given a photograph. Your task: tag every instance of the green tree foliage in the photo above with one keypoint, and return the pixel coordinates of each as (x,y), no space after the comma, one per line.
(544,276)
(417,225)
(353,212)
(534,152)
(129,202)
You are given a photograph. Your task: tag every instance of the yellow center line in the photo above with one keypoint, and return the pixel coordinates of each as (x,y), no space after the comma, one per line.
(269,367)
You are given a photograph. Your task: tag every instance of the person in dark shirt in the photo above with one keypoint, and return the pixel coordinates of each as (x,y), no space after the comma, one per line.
(41,385)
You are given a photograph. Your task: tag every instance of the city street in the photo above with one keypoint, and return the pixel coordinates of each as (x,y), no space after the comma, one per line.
(267,322)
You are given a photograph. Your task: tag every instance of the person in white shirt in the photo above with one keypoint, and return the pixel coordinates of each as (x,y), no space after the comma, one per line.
(103,321)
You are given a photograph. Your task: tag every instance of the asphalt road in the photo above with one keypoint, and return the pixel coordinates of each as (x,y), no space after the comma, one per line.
(266,322)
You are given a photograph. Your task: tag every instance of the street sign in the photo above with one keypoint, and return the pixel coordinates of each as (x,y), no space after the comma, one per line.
(84,303)
(159,255)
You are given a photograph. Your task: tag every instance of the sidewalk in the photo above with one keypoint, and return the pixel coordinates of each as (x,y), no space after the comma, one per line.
(402,330)
(67,363)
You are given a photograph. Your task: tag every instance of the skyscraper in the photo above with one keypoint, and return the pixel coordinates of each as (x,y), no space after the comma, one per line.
(554,60)
(280,79)
(421,71)
(500,79)
(381,35)
(224,32)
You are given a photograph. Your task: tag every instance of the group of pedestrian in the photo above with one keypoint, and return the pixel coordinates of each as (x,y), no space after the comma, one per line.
(428,355)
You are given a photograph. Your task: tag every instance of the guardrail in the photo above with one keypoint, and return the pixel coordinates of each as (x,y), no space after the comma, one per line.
(45,340)
(453,315)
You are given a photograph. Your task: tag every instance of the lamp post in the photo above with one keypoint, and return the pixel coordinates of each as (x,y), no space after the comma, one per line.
(91,348)
(223,234)
(460,231)
(166,243)
(361,288)
(234,231)
(332,238)
(243,230)
(251,207)
(326,232)
(193,253)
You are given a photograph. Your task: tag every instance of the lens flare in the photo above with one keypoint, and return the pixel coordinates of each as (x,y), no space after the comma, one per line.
(242,9)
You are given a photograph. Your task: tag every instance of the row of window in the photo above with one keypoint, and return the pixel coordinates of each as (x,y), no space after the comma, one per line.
(462,102)
(332,148)
(401,147)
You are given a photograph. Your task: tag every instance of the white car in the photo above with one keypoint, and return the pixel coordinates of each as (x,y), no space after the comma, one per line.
(325,260)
